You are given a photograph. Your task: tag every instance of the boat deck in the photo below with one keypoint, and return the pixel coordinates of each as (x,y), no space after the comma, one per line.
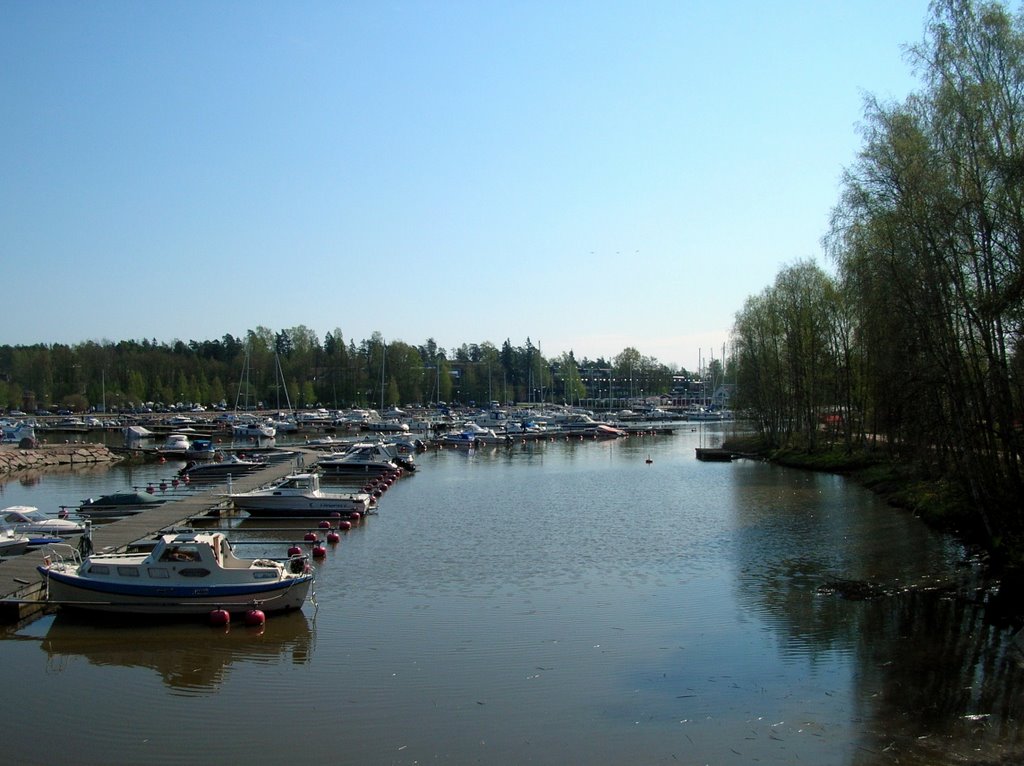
(21,586)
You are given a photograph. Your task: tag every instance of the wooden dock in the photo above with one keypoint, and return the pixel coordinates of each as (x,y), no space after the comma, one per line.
(714,455)
(21,586)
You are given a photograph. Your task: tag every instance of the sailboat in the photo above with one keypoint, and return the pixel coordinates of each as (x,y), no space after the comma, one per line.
(703,415)
(245,425)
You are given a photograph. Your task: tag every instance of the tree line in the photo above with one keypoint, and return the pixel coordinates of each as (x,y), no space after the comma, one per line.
(295,367)
(915,342)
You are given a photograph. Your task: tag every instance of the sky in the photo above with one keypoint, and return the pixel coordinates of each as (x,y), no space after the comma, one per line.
(588,175)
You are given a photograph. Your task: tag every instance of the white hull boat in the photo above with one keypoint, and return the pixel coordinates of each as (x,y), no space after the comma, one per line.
(253,431)
(182,574)
(473,435)
(300,495)
(360,458)
(231,465)
(11,542)
(29,520)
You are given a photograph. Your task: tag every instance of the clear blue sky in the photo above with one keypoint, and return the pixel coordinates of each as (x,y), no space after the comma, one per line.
(589,175)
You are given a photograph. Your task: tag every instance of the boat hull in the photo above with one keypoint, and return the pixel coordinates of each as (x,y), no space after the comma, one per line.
(356,469)
(13,548)
(76,592)
(300,508)
(220,470)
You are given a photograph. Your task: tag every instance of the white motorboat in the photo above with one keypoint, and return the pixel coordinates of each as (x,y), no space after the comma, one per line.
(175,445)
(473,434)
(12,543)
(361,458)
(179,574)
(29,520)
(14,431)
(201,449)
(253,430)
(579,424)
(300,495)
(230,465)
(700,414)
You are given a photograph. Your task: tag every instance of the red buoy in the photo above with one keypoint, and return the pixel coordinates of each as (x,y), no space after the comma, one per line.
(150,489)
(344,526)
(310,537)
(319,551)
(356,516)
(220,617)
(174,482)
(325,524)
(333,537)
(294,551)
(255,617)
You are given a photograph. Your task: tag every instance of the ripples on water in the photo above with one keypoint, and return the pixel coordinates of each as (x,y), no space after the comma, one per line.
(557,603)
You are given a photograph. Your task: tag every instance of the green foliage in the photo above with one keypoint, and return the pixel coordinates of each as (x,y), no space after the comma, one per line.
(916,343)
(127,374)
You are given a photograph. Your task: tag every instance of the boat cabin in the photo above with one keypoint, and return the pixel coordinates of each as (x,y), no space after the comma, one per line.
(302,482)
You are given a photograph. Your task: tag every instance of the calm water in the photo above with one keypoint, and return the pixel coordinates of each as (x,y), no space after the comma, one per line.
(550,604)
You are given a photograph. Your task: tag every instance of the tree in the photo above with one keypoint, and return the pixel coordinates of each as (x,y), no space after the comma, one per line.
(929,236)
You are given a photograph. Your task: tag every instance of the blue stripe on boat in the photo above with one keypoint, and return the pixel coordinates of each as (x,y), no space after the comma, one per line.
(155,591)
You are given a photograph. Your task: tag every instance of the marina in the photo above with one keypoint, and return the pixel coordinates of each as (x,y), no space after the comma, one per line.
(566,601)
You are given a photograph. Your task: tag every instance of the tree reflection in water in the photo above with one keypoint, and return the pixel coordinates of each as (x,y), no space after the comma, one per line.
(939,681)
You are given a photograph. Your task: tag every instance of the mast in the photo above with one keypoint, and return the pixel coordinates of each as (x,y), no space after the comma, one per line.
(383,356)
(243,381)
(281,383)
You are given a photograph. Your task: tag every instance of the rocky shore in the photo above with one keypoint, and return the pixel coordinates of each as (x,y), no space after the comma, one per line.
(46,456)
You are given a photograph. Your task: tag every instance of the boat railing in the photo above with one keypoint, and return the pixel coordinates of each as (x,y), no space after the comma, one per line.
(62,553)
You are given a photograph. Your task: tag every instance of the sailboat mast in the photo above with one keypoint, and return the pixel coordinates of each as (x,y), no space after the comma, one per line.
(383,356)
(243,381)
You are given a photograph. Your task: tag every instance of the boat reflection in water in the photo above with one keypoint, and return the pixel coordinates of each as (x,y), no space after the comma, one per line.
(191,659)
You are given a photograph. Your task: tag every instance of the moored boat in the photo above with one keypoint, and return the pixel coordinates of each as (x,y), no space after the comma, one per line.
(230,465)
(179,574)
(29,520)
(201,449)
(175,445)
(118,504)
(300,495)
(472,435)
(361,458)
(253,430)
(12,543)
(581,424)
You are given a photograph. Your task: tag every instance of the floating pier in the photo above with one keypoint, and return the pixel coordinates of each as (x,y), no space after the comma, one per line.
(714,455)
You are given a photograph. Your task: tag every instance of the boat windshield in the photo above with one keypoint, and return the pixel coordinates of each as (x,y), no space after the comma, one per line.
(26,515)
(181,553)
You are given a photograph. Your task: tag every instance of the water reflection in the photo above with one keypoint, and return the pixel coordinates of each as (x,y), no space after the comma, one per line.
(572,603)
(938,682)
(834,573)
(191,659)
